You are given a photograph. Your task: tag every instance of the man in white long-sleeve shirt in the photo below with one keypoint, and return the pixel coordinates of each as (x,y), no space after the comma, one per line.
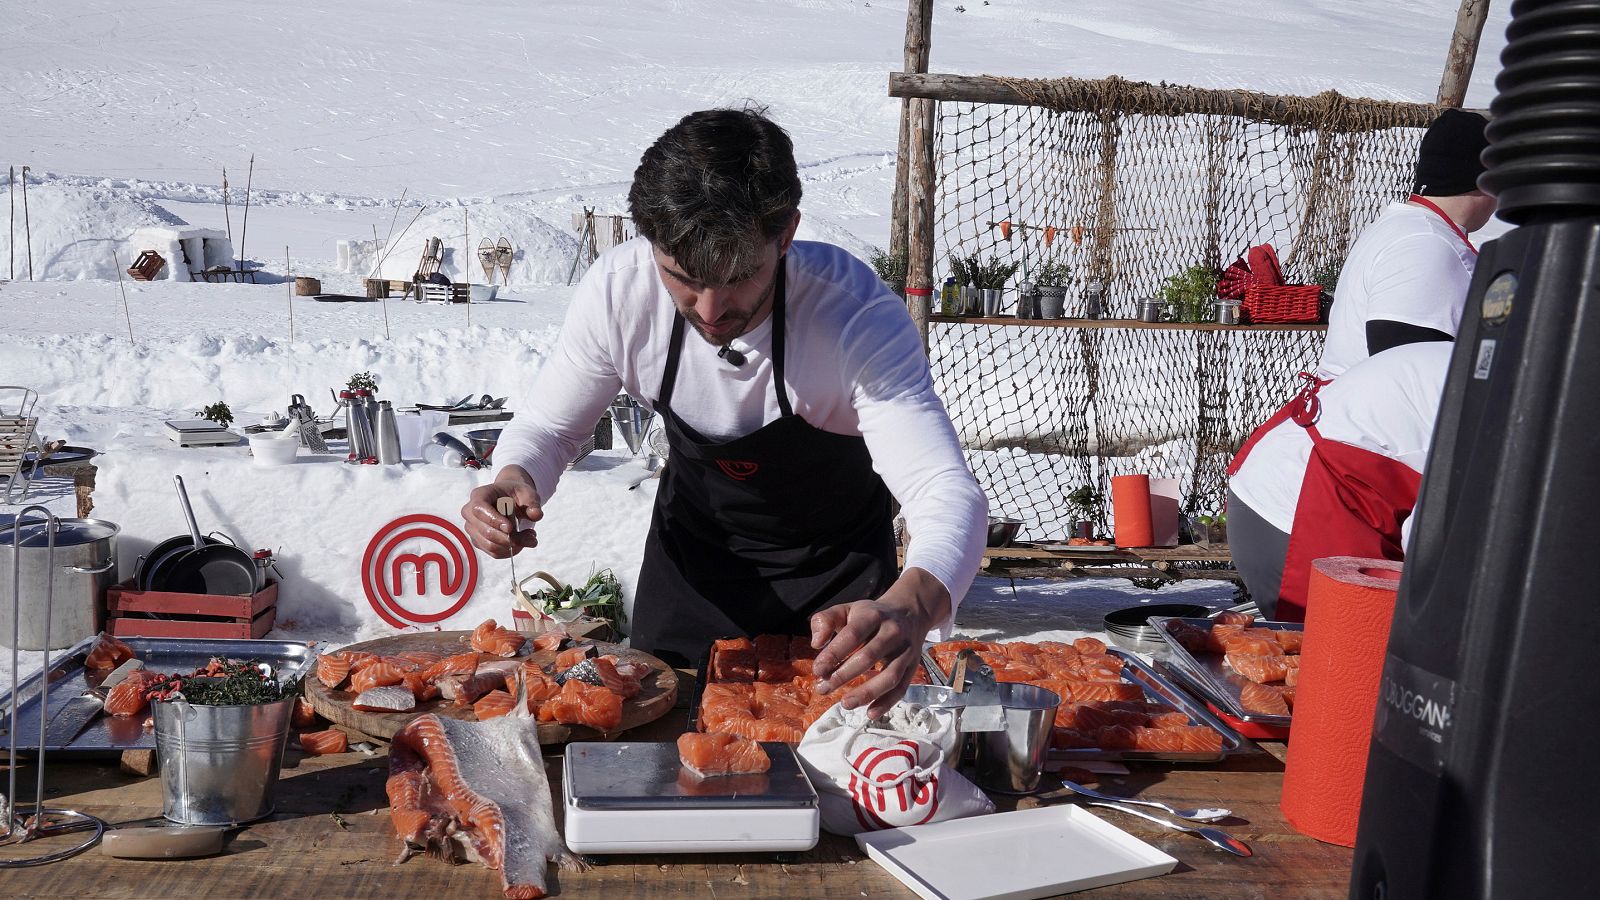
(798,406)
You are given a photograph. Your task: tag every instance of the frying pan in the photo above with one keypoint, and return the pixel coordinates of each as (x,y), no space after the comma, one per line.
(215,568)
(149,574)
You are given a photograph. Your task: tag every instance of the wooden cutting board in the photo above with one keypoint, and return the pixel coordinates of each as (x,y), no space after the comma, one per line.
(660,690)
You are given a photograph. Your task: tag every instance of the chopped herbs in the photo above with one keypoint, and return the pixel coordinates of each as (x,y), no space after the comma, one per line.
(224,682)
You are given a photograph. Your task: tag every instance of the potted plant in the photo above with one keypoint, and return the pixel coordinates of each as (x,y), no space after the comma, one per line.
(963,270)
(362,381)
(219,413)
(990,278)
(1052,279)
(891,268)
(1085,503)
(1190,293)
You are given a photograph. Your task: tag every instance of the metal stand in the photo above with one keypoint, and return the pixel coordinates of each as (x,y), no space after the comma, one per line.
(19,830)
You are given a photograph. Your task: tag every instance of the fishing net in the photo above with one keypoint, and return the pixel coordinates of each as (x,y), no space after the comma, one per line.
(1129,184)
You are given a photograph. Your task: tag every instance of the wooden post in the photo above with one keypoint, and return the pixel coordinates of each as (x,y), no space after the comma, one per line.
(288,276)
(1463,52)
(27,224)
(919,36)
(11,225)
(244,227)
(919,218)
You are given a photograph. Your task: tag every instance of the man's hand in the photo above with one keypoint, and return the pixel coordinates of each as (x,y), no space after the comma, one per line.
(890,629)
(493,533)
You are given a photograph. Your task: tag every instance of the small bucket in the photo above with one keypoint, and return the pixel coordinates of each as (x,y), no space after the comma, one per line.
(219,764)
(1011,760)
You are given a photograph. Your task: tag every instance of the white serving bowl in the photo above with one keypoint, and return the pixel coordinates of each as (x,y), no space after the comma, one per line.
(273,449)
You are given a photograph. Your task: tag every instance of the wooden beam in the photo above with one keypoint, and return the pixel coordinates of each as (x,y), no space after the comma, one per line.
(1175,100)
(1463,52)
(919,220)
(919,38)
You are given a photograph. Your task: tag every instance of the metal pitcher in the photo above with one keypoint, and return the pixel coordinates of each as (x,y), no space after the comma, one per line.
(1011,760)
(220,764)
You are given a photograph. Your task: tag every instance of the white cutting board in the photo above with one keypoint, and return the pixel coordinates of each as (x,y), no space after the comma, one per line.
(1045,851)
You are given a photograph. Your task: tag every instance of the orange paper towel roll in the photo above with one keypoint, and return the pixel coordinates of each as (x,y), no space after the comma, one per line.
(1349,605)
(1130,504)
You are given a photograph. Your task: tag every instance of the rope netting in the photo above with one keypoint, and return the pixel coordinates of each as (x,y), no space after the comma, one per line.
(1129,184)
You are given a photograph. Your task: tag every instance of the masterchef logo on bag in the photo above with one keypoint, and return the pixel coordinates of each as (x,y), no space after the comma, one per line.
(879,804)
(737,469)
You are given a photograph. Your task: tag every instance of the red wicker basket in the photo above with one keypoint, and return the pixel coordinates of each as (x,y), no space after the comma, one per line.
(1281,303)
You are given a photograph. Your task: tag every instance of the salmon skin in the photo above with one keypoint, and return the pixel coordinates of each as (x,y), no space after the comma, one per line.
(477,791)
(386,698)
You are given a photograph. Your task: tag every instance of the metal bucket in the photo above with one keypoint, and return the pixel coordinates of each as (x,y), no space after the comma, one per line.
(219,764)
(1011,760)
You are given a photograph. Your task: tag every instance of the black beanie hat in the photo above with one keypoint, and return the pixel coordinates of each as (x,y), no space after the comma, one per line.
(1449,162)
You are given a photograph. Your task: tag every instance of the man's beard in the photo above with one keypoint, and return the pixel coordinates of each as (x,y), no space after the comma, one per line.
(699,325)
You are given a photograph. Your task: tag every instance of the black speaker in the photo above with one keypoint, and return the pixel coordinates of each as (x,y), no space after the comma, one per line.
(1482,769)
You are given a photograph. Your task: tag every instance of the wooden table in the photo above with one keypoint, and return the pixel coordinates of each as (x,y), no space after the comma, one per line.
(331,837)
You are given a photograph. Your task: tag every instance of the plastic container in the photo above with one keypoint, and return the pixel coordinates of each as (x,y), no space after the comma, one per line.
(271,448)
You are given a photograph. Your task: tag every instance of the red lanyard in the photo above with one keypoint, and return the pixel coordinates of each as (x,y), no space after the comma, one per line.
(1424,201)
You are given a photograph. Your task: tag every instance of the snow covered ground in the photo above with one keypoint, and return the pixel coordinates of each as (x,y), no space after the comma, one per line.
(479,118)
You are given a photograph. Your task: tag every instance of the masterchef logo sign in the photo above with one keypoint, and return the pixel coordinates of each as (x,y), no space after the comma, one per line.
(417,570)
(885,791)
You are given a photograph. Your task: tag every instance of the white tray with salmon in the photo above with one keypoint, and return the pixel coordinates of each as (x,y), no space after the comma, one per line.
(1248,667)
(1113,705)
(577,689)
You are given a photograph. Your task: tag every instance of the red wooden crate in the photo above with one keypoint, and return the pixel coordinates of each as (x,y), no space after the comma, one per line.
(190,615)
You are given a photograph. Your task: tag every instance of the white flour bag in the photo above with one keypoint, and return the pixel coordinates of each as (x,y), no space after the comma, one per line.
(889,772)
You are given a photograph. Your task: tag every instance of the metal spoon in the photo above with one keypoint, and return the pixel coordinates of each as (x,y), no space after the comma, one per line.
(1215,836)
(1205,814)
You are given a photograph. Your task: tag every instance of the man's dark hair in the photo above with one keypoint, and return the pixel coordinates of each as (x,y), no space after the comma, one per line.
(714,189)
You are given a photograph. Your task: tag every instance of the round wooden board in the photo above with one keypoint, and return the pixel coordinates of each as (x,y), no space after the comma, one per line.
(659,694)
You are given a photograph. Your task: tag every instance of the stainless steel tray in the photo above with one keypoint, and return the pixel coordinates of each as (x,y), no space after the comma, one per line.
(1156,690)
(1211,677)
(69,679)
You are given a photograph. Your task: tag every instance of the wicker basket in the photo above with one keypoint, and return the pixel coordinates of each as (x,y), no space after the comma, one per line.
(1281,303)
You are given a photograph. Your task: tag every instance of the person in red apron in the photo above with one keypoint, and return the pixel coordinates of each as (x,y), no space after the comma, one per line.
(797,410)
(1337,476)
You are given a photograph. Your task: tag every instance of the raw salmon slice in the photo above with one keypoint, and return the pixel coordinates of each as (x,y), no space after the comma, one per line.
(1105,690)
(721,754)
(107,653)
(776,670)
(772,646)
(1263,698)
(303,715)
(322,743)
(1090,646)
(800,648)
(333,669)
(127,698)
(389,698)
(1196,739)
(550,640)
(585,704)
(460,664)
(740,643)
(1252,644)
(1229,617)
(624,679)
(571,656)
(492,639)
(734,665)
(494,703)
(1262,669)
(377,674)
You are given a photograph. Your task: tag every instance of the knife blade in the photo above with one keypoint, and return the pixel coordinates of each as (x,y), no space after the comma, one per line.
(78,712)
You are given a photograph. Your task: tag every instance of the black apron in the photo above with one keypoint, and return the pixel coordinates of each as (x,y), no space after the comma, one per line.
(753,535)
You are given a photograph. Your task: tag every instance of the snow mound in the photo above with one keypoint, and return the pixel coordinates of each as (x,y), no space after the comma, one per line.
(77,231)
(542,252)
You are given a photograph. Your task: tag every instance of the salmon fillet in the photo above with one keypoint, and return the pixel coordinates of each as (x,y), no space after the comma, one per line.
(624,679)
(494,703)
(478,791)
(585,704)
(333,669)
(1263,698)
(378,674)
(1229,617)
(721,754)
(772,646)
(107,653)
(303,716)
(494,640)
(1262,669)
(128,698)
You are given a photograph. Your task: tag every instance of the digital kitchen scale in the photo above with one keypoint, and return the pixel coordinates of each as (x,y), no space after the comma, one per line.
(199,433)
(634,797)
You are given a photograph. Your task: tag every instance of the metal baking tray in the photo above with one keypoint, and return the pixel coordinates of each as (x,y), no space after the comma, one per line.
(1156,690)
(1219,683)
(69,680)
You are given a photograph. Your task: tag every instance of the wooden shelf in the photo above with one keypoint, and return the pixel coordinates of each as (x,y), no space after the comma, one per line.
(1119,323)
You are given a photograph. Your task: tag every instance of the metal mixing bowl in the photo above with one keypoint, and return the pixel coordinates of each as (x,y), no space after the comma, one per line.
(1003,531)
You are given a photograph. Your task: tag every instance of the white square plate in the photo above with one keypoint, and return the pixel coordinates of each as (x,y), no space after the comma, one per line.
(1046,850)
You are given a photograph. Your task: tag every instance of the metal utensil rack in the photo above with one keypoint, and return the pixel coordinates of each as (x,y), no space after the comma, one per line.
(46,821)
